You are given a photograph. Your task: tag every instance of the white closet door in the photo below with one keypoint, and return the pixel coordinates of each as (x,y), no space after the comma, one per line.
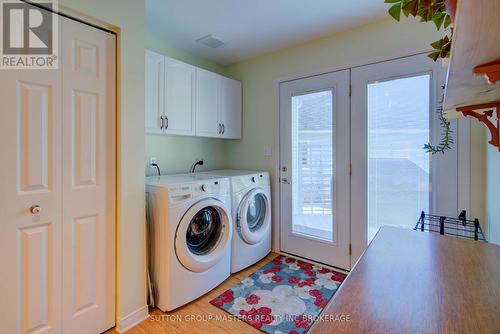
(88,192)
(30,245)
(179,97)
(154,91)
(207,104)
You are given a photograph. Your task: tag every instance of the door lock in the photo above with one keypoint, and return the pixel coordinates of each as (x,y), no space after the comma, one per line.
(35,209)
(284,169)
(285,180)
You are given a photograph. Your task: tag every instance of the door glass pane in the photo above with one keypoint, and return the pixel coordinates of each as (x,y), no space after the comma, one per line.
(313,164)
(398,166)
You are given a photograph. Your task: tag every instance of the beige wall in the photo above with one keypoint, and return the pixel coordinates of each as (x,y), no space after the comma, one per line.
(128,17)
(176,154)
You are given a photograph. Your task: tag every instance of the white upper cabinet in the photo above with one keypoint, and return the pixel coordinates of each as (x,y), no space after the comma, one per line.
(154,84)
(230,108)
(179,91)
(184,100)
(207,104)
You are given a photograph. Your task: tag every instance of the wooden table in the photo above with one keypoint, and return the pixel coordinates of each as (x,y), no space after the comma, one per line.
(418,282)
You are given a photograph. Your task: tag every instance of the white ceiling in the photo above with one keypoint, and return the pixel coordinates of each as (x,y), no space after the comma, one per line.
(253,27)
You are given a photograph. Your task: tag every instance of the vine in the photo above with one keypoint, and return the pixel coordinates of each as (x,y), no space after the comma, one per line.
(446,138)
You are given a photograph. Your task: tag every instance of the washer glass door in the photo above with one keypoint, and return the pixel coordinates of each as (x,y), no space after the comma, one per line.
(203,235)
(254,217)
(204,231)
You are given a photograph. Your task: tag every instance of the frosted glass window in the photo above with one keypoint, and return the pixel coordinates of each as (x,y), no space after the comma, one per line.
(313,133)
(398,167)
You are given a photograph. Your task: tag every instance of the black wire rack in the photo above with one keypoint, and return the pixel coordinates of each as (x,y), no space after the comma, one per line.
(460,227)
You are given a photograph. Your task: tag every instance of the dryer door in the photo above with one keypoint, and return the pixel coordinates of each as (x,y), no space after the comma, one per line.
(254,216)
(203,235)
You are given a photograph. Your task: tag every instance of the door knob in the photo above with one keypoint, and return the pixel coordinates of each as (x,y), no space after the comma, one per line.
(35,209)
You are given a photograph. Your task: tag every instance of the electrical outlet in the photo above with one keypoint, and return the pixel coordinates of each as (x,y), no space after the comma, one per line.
(152,161)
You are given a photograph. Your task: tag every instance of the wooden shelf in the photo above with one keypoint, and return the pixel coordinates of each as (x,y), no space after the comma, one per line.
(476,42)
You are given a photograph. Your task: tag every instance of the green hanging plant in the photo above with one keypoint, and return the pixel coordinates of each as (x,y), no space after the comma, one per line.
(427,10)
(446,138)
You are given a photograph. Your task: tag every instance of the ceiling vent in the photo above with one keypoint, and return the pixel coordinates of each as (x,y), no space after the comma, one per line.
(210,41)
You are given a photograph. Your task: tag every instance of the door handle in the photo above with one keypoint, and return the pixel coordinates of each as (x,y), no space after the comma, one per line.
(35,209)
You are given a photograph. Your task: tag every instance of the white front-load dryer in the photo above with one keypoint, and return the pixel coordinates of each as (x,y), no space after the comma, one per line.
(251,202)
(190,232)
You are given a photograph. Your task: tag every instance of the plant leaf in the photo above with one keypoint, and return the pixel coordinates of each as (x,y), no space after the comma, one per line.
(438,19)
(392,1)
(447,21)
(411,7)
(434,55)
(395,12)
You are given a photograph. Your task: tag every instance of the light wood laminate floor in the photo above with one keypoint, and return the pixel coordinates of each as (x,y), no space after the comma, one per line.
(193,318)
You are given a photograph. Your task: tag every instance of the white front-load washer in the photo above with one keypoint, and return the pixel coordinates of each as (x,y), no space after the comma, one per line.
(190,231)
(251,205)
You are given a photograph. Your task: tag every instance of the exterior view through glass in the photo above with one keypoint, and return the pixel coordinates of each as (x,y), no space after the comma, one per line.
(398,166)
(313,158)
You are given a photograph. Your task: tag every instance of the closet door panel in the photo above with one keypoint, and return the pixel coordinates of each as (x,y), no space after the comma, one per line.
(30,243)
(88,178)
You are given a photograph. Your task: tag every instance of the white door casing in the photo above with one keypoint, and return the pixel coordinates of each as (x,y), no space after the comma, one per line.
(154,92)
(334,252)
(88,187)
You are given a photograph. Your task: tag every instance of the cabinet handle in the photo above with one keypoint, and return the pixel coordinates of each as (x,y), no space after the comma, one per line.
(161,124)
(220,128)
(166,126)
(223,129)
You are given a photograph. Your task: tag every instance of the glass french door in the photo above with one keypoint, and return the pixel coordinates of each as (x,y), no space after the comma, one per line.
(351,164)
(394,113)
(314,177)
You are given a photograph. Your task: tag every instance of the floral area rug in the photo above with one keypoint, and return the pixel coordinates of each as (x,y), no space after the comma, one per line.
(284,296)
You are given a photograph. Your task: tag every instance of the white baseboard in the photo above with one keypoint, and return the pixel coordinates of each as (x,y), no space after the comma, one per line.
(133,319)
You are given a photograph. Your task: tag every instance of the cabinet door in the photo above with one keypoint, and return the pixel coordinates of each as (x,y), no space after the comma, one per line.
(154,94)
(179,97)
(230,108)
(207,103)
